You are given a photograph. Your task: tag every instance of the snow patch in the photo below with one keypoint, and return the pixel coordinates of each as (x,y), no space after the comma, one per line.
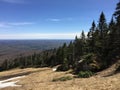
(9,82)
(54,69)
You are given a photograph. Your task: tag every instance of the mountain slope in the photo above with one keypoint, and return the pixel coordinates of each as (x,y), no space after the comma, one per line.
(41,79)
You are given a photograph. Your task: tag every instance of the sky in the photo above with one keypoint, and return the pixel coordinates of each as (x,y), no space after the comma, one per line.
(50,19)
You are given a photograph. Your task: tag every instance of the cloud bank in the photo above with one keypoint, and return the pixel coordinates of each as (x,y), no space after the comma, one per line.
(40,36)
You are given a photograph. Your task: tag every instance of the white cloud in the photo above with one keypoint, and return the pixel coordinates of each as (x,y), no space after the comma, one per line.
(13,1)
(21,23)
(54,20)
(61,19)
(40,36)
(12,24)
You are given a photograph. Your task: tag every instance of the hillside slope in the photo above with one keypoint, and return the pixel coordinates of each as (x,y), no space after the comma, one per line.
(109,71)
(41,79)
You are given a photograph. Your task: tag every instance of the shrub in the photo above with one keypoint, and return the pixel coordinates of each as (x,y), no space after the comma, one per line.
(36,66)
(62,78)
(62,68)
(85,74)
(21,67)
(87,62)
(88,58)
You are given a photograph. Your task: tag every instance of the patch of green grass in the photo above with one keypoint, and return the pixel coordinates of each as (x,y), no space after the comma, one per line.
(65,78)
(85,74)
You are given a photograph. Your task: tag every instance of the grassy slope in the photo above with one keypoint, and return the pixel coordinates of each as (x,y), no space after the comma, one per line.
(41,79)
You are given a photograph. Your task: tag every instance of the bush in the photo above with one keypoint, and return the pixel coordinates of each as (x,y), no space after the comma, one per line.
(36,66)
(88,62)
(62,68)
(85,74)
(21,67)
(62,78)
(88,58)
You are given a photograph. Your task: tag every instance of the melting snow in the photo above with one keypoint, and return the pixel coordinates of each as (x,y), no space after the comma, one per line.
(54,69)
(9,82)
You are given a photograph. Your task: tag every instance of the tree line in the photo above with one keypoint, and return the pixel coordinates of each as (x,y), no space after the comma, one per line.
(94,52)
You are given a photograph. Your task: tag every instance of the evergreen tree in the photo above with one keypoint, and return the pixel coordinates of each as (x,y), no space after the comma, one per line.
(117,12)
(5,65)
(91,37)
(103,30)
(83,37)
(117,33)
(111,34)
(83,43)
(71,53)
(102,25)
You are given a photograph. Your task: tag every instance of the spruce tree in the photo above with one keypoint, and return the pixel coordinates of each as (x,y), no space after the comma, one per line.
(117,12)
(112,32)
(91,37)
(102,25)
(117,33)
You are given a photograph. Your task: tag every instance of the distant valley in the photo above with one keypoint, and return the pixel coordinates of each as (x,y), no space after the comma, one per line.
(14,48)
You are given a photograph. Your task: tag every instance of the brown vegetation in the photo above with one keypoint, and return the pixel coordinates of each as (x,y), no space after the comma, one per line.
(42,79)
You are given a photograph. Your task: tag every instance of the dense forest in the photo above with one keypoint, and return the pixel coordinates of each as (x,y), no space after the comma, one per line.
(93,52)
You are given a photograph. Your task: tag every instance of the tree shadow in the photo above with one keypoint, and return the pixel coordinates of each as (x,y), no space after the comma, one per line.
(111,74)
(20,74)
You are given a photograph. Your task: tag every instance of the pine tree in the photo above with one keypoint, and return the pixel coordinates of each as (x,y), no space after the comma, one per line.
(76,47)
(70,53)
(5,65)
(83,36)
(92,30)
(117,12)
(117,33)
(112,32)
(102,25)
(91,37)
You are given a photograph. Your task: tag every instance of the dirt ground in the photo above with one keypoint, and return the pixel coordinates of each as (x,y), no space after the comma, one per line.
(41,79)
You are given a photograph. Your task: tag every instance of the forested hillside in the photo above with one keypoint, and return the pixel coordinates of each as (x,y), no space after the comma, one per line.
(10,49)
(93,52)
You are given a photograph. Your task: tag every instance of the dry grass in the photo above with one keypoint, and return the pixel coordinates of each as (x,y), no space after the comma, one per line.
(41,79)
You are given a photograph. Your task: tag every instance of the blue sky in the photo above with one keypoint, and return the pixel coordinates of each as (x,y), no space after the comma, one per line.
(50,19)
